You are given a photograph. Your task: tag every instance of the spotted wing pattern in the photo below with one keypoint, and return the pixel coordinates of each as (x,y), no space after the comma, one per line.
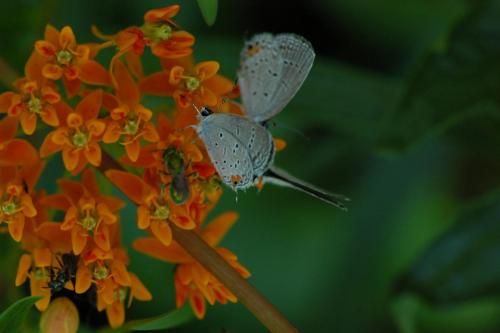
(272,70)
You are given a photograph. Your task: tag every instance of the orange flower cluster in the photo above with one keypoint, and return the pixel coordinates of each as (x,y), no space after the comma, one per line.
(86,109)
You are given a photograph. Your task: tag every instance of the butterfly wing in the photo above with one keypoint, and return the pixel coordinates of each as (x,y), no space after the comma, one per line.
(272,70)
(259,74)
(253,137)
(234,166)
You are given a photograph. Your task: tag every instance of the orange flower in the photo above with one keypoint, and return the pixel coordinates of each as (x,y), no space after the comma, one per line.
(79,136)
(155,209)
(14,151)
(32,101)
(39,267)
(88,212)
(67,60)
(199,84)
(108,271)
(17,196)
(158,31)
(15,206)
(192,281)
(128,117)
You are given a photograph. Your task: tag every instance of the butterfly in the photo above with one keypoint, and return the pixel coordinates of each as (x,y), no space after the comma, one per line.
(272,69)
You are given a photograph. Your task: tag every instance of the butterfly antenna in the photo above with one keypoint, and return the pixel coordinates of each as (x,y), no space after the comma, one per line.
(197,109)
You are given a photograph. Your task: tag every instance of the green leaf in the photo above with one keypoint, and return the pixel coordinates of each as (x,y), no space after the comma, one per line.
(458,83)
(14,316)
(162,322)
(208,10)
(463,264)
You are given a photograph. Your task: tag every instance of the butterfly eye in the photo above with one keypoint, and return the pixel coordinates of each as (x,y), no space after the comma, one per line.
(205,112)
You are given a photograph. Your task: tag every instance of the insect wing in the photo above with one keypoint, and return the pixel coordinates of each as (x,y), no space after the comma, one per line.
(234,166)
(272,71)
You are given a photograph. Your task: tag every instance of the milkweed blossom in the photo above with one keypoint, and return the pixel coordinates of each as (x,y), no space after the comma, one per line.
(71,107)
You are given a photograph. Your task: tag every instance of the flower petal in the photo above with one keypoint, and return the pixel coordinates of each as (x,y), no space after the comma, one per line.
(154,248)
(206,69)
(116,314)
(134,64)
(16,227)
(42,257)
(28,122)
(46,49)
(157,85)
(93,72)
(52,72)
(22,269)
(51,34)
(78,239)
(48,146)
(150,133)
(138,290)
(127,90)
(101,237)
(161,14)
(162,231)
(96,127)
(72,86)
(71,157)
(143,217)
(67,38)
(5,101)
(90,105)
(133,149)
(133,186)
(120,273)
(16,152)
(8,128)
(93,154)
(217,229)
(197,303)
(49,116)
(83,279)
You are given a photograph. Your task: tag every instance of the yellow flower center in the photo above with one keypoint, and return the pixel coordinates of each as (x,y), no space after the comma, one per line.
(9,208)
(89,222)
(79,139)
(100,272)
(64,57)
(191,83)
(157,32)
(35,105)
(131,127)
(161,212)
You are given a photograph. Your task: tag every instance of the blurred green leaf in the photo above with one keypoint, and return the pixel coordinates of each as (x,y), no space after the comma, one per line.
(208,10)
(458,82)
(166,321)
(14,316)
(463,264)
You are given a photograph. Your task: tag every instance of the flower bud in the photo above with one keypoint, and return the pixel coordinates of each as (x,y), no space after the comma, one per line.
(61,316)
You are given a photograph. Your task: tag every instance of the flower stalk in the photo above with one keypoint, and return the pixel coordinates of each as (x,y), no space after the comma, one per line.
(247,294)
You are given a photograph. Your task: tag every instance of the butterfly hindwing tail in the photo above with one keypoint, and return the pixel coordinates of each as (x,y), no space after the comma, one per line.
(280,177)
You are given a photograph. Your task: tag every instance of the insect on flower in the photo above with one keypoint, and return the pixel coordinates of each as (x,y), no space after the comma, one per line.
(66,272)
(174,165)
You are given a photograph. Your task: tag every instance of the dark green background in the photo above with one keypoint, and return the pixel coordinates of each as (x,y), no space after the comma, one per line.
(400,113)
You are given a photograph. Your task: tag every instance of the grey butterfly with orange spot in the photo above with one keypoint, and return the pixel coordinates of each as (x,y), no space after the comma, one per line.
(272,69)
